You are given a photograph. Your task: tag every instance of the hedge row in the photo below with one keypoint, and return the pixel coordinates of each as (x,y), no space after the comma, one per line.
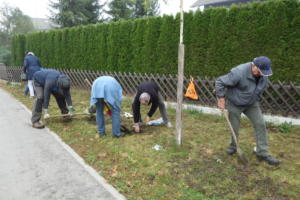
(216,40)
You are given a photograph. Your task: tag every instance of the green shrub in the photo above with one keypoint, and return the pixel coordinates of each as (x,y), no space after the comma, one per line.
(216,40)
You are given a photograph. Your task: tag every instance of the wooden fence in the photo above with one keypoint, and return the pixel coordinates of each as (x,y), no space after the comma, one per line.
(278,98)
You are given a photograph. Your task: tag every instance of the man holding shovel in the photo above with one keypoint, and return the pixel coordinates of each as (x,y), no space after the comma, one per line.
(49,82)
(242,88)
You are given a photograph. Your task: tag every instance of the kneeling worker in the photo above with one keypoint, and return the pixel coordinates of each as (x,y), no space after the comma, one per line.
(106,91)
(148,93)
(49,82)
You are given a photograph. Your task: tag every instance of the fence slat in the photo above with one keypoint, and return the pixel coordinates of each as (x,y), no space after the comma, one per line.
(278,98)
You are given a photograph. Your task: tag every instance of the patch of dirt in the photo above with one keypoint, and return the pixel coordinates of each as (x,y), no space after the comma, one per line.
(235,180)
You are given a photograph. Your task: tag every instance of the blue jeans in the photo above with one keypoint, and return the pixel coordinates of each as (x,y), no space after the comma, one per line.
(116,119)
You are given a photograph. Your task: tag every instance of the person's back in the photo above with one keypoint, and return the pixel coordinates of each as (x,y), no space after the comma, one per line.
(47,74)
(149,87)
(107,92)
(108,88)
(32,60)
(31,65)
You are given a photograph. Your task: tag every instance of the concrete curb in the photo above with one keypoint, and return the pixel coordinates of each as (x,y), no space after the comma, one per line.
(208,110)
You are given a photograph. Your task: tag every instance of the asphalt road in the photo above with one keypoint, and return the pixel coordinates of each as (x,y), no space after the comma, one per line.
(35,165)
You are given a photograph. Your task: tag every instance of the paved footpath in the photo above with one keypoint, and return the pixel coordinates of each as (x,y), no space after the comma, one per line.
(36,165)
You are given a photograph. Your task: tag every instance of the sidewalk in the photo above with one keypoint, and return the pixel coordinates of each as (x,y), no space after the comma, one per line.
(36,165)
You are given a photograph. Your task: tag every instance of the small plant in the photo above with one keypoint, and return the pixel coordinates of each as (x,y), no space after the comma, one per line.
(285,127)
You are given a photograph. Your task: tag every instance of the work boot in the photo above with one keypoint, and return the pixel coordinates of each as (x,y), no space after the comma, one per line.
(100,135)
(169,125)
(118,136)
(269,159)
(38,125)
(231,150)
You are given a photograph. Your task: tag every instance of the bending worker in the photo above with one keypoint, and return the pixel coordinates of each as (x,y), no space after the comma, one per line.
(242,88)
(106,91)
(49,82)
(148,93)
(30,66)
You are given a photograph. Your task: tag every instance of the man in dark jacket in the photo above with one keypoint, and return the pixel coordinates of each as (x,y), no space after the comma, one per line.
(30,66)
(49,82)
(242,88)
(148,93)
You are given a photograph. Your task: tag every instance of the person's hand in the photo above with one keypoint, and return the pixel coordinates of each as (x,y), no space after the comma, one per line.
(221,104)
(71,110)
(92,109)
(136,127)
(147,119)
(86,111)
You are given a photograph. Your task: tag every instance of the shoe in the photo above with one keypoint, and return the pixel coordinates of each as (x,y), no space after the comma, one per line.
(118,136)
(38,125)
(169,125)
(231,150)
(269,159)
(100,135)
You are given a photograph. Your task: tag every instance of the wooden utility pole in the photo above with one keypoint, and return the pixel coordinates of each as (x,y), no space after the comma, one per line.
(180,80)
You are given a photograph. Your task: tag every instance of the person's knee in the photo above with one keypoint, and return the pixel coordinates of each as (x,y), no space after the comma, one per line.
(260,124)
(40,99)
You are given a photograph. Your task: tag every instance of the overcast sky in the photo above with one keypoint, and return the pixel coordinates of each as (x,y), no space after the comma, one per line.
(40,8)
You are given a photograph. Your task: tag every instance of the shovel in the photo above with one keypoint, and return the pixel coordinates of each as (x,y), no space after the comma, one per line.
(66,115)
(241,155)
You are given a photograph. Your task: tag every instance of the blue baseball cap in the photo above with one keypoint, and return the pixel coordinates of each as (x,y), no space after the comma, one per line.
(264,65)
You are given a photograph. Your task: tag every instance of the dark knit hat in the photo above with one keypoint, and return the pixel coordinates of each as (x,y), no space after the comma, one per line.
(63,82)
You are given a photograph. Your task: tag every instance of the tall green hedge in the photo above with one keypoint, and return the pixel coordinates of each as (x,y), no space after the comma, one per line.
(216,40)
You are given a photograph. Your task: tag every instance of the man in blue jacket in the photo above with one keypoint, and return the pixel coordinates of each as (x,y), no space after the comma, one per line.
(49,82)
(106,90)
(242,88)
(30,66)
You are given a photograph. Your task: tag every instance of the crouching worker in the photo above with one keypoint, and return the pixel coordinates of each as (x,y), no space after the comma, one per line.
(106,91)
(241,88)
(148,93)
(49,82)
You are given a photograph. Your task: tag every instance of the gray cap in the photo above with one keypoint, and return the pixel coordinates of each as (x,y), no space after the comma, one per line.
(63,82)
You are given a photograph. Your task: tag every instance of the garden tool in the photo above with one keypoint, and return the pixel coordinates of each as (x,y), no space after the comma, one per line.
(240,153)
(66,115)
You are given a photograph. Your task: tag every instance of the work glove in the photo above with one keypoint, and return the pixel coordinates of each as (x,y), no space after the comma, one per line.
(46,115)
(71,110)
(86,111)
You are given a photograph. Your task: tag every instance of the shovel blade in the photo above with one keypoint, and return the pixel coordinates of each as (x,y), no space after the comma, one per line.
(242,158)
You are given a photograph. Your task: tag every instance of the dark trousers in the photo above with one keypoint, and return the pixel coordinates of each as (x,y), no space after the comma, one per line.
(253,112)
(38,105)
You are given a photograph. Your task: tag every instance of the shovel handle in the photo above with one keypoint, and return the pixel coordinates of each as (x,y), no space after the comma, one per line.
(225,113)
